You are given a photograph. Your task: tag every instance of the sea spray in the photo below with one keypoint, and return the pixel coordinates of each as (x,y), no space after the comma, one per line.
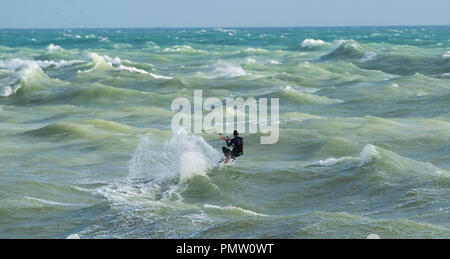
(181,157)
(368,154)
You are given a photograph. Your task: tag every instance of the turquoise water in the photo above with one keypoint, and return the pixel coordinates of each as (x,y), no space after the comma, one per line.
(87,150)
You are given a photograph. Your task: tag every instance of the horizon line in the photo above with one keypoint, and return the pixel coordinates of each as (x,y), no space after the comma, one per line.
(215,27)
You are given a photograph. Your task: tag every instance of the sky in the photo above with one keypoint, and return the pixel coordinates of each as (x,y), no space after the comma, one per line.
(220,13)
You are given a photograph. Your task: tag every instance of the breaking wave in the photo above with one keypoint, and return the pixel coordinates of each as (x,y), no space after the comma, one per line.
(347,50)
(104,62)
(23,73)
(306,97)
(312,44)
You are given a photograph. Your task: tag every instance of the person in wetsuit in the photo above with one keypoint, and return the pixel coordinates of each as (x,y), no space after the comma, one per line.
(238,146)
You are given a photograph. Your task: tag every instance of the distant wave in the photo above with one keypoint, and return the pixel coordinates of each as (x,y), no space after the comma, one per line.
(182,48)
(312,44)
(446,55)
(52,48)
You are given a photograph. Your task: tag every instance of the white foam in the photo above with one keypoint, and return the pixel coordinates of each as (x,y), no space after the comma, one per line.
(368,56)
(289,88)
(73,236)
(181,48)
(225,30)
(47,202)
(312,43)
(181,157)
(228,70)
(192,164)
(6,91)
(57,64)
(107,62)
(231,208)
(23,69)
(373,236)
(345,44)
(368,154)
(446,55)
(101,61)
(141,71)
(52,47)
(332,161)
(255,50)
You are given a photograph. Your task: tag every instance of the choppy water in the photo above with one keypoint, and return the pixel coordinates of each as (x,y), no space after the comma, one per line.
(87,151)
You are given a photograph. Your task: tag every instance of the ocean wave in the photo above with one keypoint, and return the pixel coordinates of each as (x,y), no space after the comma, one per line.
(101,62)
(333,161)
(255,50)
(368,56)
(330,224)
(122,46)
(312,44)
(58,64)
(52,48)
(367,155)
(306,97)
(446,55)
(158,173)
(230,32)
(228,70)
(233,209)
(47,202)
(181,48)
(24,72)
(73,236)
(141,71)
(104,62)
(346,50)
(90,129)
(387,161)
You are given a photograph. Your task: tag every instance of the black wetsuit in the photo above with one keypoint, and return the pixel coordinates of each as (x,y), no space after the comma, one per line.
(238,147)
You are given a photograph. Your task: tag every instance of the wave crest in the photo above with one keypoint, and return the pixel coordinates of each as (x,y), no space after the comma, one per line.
(305,97)
(347,49)
(312,44)
(23,73)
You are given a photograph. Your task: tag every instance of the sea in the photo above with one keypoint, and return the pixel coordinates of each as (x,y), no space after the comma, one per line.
(87,149)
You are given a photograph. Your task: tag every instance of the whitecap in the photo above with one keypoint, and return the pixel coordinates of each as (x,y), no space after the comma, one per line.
(446,55)
(233,208)
(52,47)
(312,43)
(228,70)
(332,161)
(368,154)
(141,71)
(73,236)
